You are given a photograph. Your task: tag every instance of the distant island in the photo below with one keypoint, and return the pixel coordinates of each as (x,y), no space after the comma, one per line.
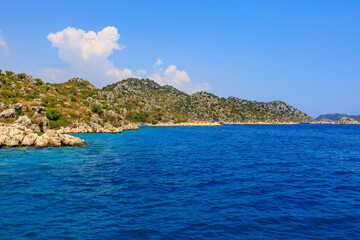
(337,116)
(77,106)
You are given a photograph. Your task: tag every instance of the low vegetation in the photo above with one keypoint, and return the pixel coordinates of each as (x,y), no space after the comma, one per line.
(131,100)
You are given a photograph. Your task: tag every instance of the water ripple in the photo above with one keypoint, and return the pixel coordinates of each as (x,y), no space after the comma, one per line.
(231,182)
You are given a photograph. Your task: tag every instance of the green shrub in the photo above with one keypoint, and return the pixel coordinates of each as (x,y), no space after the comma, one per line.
(58,123)
(39,82)
(97,109)
(74,116)
(138,117)
(9,73)
(34,94)
(22,76)
(73,99)
(38,133)
(53,114)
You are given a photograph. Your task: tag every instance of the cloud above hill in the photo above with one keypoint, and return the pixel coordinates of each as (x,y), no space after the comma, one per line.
(175,77)
(3,45)
(87,54)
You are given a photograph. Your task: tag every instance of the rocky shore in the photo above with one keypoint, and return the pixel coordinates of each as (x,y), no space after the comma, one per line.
(261,123)
(90,128)
(13,135)
(35,131)
(344,120)
(186,124)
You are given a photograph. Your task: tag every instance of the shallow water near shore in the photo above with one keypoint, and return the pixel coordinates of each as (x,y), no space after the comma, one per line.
(229,182)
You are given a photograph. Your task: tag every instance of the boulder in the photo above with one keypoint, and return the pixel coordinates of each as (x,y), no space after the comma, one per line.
(9,113)
(29,139)
(96,119)
(130,126)
(39,109)
(12,136)
(23,121)
(18,108)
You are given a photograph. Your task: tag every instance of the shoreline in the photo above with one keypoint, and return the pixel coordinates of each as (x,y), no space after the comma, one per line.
(186,124)
(18,135)
(212,124)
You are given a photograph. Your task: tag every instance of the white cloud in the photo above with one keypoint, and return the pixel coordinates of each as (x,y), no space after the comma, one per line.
(87,54)
(158,62)
(3,45)
(141,73)
(50,74)
(177,78)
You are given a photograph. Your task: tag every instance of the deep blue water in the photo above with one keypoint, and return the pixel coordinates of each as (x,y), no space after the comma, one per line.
(230,182)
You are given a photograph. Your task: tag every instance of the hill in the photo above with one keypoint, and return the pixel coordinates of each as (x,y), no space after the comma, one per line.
(337,116)
(132,100)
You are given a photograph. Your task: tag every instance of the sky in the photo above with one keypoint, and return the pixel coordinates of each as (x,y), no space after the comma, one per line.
(305,53)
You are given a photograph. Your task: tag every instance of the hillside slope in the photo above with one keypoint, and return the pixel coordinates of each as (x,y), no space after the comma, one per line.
(128,101)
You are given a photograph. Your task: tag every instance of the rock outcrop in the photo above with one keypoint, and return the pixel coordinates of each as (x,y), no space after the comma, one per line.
(8,113)
(23,121)
(326,121)
(14,135)
(130,126)
(90,128)
(96,125)
(186,124)
(347,120)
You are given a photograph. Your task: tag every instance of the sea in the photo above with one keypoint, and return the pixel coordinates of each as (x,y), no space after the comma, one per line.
(226,182)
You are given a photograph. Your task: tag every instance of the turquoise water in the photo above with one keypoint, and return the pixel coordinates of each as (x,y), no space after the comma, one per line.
(230,182)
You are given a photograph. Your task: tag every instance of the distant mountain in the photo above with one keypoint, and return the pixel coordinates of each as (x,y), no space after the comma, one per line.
(337,116)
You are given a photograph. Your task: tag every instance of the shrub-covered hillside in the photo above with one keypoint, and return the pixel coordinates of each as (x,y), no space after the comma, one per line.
(130,100)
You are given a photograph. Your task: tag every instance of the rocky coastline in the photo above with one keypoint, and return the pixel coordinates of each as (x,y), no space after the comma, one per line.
(186,124)
(344,120)
(13,135)
(24,132)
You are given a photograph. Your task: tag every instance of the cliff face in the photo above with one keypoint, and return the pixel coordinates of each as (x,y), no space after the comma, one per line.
(77,104)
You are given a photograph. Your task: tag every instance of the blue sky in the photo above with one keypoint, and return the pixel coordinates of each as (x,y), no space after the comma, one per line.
(306,53)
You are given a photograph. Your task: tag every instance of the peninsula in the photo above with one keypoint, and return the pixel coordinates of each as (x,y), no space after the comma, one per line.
(33,109)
